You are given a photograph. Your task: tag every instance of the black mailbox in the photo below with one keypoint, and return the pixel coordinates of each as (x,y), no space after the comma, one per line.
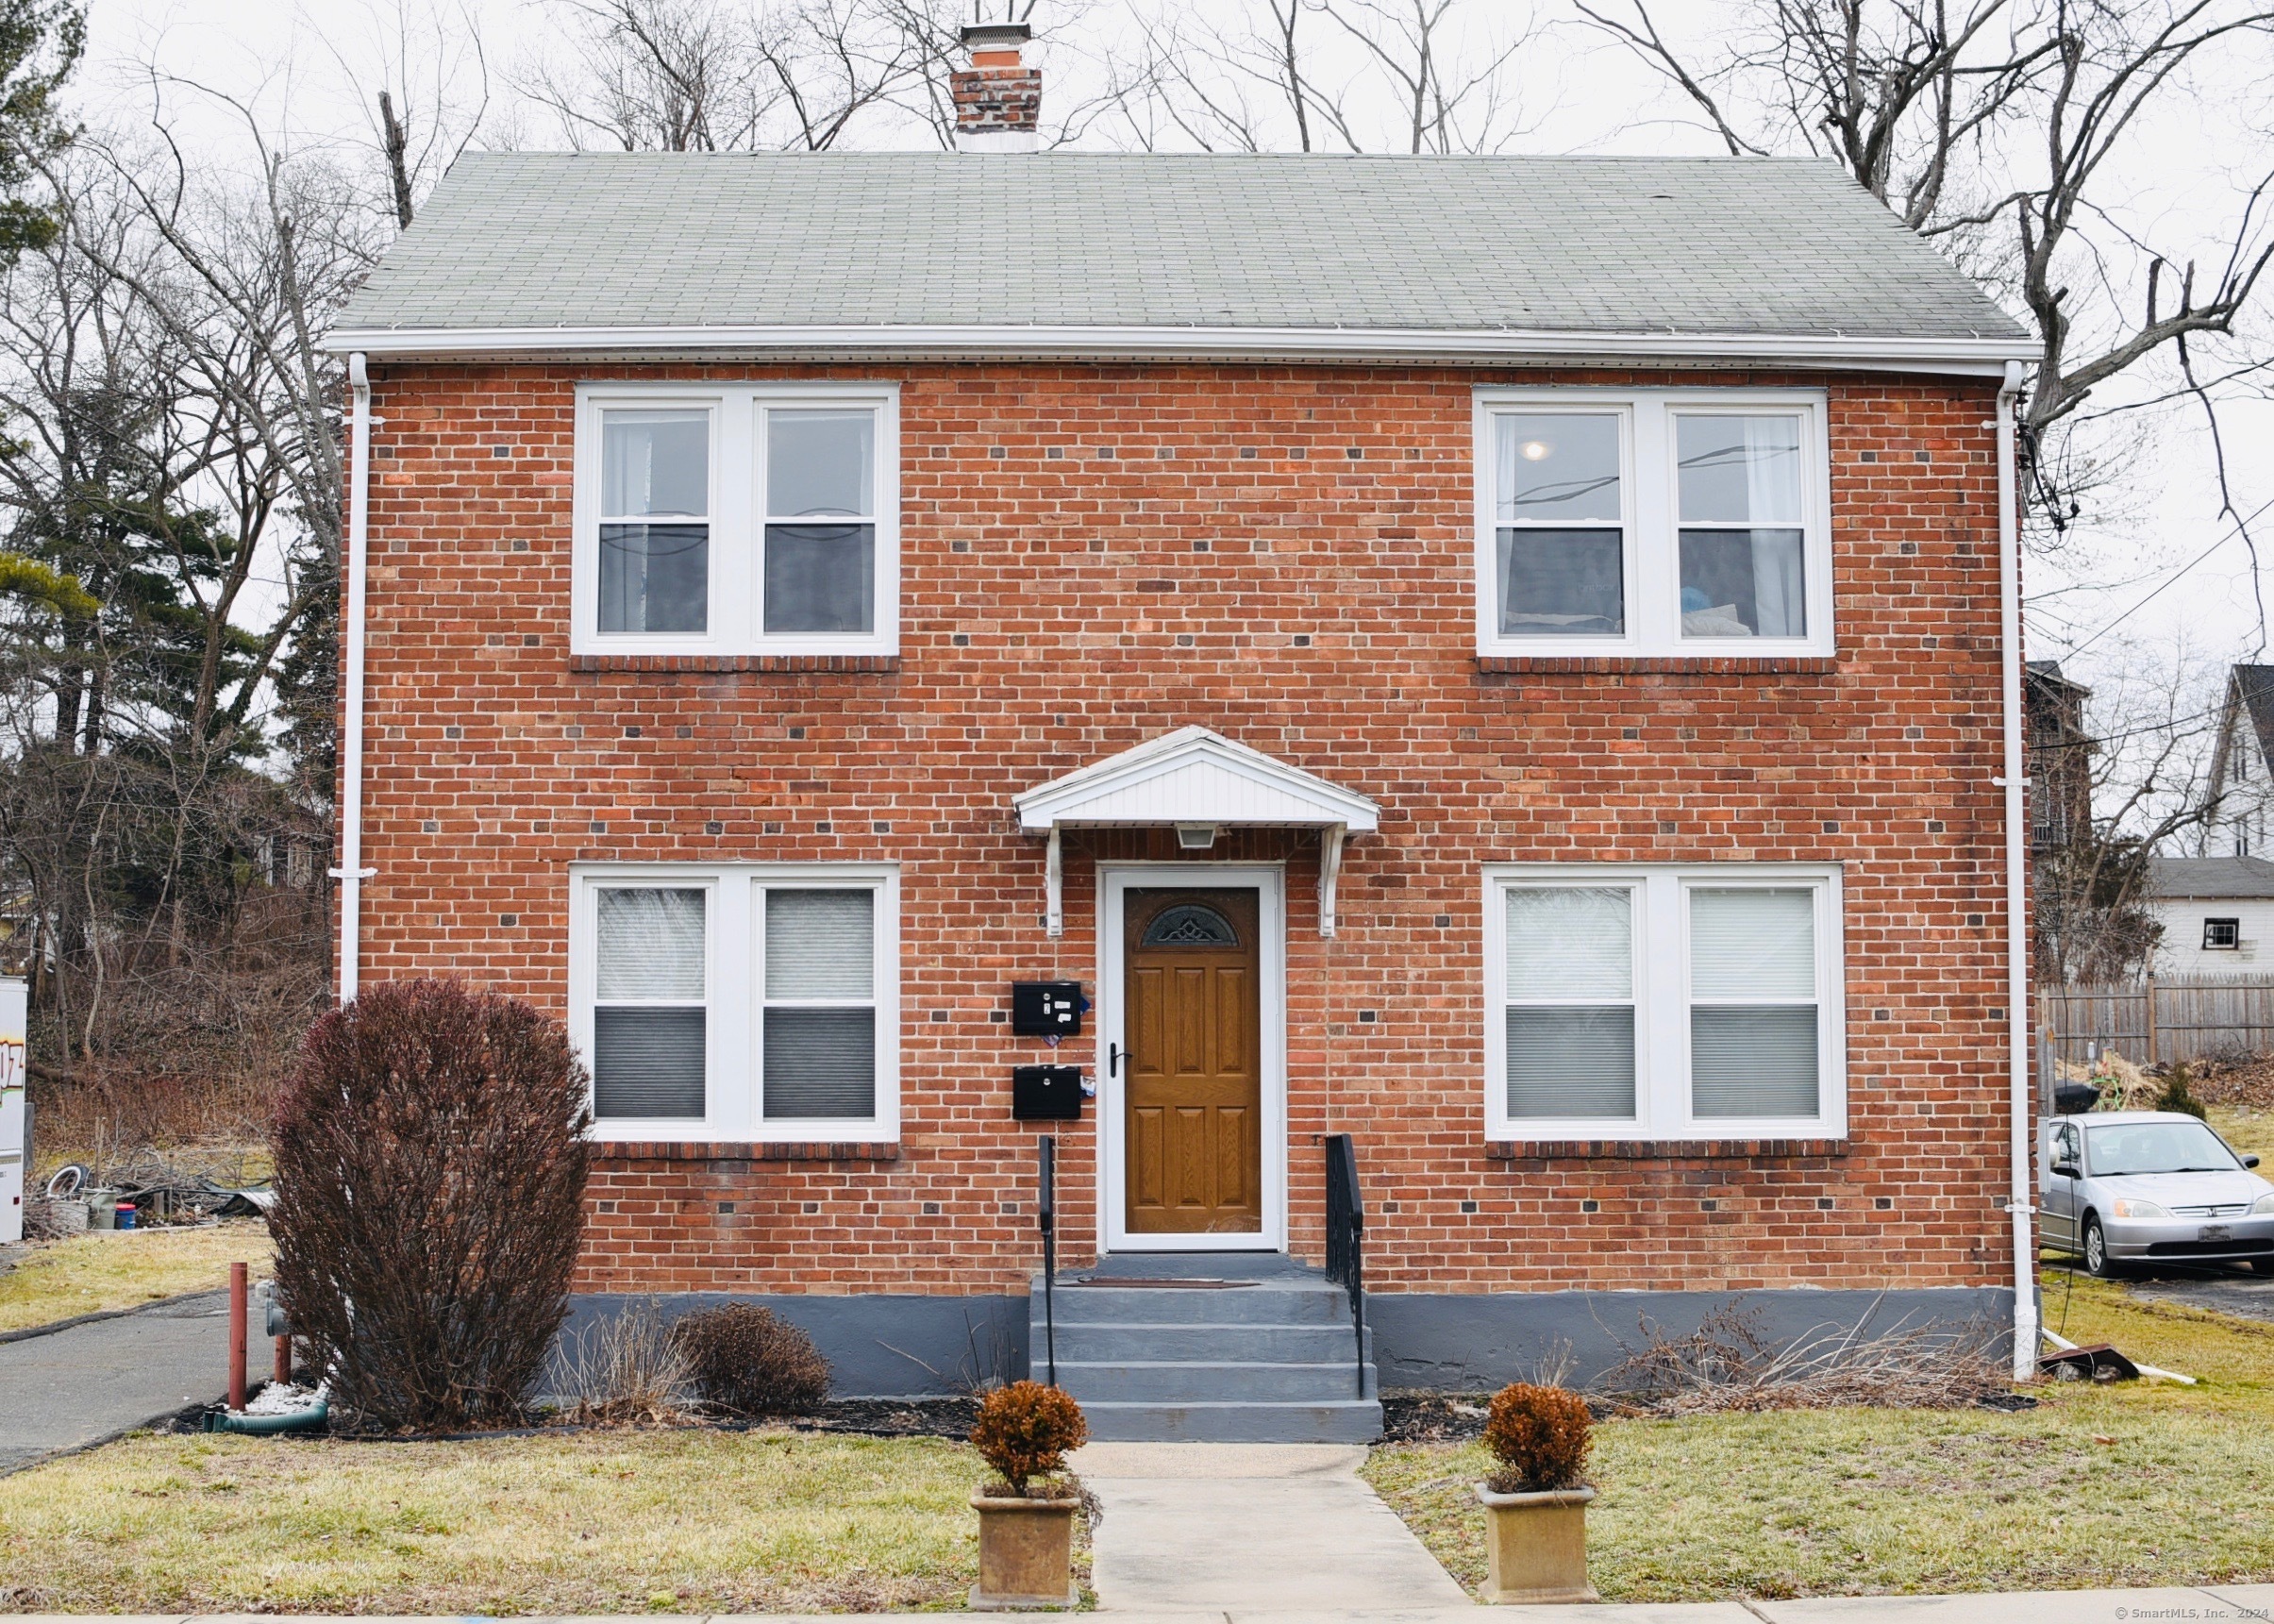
(1046,1092)
(1046,1009)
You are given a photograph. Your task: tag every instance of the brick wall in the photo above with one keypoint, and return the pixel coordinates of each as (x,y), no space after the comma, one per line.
(1094,554)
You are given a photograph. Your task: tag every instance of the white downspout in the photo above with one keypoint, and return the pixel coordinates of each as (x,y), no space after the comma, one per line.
(2016,887)
(351,872)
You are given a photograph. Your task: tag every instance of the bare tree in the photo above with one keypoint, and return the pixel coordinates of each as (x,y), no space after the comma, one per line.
(1353,75)
(2000,127)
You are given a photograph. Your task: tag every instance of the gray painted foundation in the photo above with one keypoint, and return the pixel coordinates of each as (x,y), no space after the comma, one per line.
(1480,1342)
(878,1346)
(893,1346)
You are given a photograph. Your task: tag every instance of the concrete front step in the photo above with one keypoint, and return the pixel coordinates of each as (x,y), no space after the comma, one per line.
(1186,1382)
(1348,1421)
(1273,1344)
(1264,1302)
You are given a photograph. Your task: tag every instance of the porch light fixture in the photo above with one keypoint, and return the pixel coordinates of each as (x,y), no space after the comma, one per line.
(1195,836)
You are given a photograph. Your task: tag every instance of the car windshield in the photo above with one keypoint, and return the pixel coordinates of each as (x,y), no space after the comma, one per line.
(2157,1147)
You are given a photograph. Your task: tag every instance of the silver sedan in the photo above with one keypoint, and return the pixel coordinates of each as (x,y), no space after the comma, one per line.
(2150,1186)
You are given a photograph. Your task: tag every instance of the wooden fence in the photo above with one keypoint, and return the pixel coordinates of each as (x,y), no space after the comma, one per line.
(2177,1017)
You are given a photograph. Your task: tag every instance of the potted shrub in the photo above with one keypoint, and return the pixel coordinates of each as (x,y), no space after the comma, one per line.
(1535,1505)
(1026,1516)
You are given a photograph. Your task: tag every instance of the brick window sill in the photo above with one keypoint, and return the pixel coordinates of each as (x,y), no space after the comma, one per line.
(702,663)
(742,1150)
(1621,666)
(1660,1150)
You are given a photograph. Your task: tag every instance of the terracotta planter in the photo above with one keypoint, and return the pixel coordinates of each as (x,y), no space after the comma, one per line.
(1026,1553)
(1536,1546)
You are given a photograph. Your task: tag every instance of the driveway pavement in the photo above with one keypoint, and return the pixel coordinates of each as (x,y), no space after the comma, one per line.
(2237,1292)
(80,1385)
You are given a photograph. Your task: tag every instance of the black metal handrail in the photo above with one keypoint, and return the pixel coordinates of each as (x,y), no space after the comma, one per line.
(1346,1238)
(1045,1208)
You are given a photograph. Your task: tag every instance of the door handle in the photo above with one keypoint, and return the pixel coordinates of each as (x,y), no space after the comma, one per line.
(1113,1060)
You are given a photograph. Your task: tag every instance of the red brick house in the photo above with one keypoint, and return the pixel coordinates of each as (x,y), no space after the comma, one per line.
(1509,660)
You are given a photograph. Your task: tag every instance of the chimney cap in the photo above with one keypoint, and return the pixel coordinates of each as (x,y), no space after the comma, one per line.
(995,36)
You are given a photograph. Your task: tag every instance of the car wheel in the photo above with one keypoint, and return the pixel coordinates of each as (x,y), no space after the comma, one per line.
(2097,1262)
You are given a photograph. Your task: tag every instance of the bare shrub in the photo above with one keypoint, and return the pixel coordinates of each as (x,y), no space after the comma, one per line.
(1728,1365)
(628,1368)
(1024,1431)
(431,1169)
(748,1359)
(1540,1436)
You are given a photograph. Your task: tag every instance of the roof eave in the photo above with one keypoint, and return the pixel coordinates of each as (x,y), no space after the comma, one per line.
(1965,356)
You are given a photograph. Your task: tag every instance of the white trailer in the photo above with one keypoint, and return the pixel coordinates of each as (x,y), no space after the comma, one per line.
(15,1166)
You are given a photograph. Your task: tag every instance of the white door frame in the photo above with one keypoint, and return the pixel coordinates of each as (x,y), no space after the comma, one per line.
(1114,881)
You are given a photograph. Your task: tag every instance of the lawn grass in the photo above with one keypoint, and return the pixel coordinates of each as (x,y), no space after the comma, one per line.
(674,1521)
(2247,1129)
(2133,1484)
(109,1269)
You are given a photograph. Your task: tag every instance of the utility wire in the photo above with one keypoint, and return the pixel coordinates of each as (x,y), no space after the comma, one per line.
(2238,528)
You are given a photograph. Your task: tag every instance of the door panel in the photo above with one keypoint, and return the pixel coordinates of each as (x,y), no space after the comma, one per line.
(1195,1081)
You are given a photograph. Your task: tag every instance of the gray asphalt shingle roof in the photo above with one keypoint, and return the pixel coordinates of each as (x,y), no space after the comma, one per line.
(1736,246)
(2210,877)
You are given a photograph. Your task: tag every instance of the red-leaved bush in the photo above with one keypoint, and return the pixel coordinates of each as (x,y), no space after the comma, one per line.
(430,1167)
(1540,1436)
(1025,1428)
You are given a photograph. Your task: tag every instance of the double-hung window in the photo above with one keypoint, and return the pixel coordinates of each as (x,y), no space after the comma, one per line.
(736,519)
(738,1002)
(1664,1003)
(1653,522)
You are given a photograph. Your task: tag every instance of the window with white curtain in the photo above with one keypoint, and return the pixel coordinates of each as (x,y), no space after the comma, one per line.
(738,1002)
(1663,1002)
(736,519)
(1653,522)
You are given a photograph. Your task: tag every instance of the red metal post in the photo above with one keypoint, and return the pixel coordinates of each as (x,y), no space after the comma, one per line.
(238,1291)
(284,1361)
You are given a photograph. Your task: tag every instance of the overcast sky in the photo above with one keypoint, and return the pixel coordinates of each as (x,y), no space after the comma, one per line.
(2157,538)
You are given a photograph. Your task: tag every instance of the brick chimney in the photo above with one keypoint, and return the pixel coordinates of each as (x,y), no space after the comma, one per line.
(998,99)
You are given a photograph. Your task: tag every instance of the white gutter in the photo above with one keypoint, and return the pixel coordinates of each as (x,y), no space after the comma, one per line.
(2016,887)
(1985,356)
(351,872)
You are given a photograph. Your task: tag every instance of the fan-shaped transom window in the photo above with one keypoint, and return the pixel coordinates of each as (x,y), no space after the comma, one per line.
(1190,925)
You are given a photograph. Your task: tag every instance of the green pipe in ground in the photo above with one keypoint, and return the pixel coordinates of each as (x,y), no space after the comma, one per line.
(306,1420)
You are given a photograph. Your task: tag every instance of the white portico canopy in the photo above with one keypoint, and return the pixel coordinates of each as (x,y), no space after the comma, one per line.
(1195,778)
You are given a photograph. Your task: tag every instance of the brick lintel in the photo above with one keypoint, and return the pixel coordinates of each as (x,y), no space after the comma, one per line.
(700,1151)
(1660,1150)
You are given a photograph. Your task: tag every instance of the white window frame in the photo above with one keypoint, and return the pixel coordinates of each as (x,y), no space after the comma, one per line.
(734,970)
(738,470)
(1661,999)
(2234,924)
(1650,492)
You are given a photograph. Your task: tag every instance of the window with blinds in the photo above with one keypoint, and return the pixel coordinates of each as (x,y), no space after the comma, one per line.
(1570,1012)
(1659,1003)
(819,1045)
(650,1010)
(740,1001)
(1753,1034)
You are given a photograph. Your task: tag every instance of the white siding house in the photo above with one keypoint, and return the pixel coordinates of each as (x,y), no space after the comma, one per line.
(2217,915)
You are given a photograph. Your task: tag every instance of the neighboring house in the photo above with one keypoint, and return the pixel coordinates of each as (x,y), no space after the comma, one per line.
(2242,767)
(2218,913)
(1500,658)
(2060,758)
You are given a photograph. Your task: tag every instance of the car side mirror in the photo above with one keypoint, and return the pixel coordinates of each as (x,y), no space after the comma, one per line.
(2249,1160)
(2065,1169)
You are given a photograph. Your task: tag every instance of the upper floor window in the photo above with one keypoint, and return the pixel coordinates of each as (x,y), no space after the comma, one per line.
(1653,522)
(737,519)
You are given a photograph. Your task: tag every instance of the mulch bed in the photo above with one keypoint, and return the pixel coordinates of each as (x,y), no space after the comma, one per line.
(859,1418)
(1432,1417)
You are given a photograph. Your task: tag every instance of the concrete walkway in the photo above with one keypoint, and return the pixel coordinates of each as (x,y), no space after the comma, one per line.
(1239,1528)
(93,1381)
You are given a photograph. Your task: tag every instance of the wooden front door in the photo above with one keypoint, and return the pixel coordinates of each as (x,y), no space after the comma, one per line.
(1194,1082)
